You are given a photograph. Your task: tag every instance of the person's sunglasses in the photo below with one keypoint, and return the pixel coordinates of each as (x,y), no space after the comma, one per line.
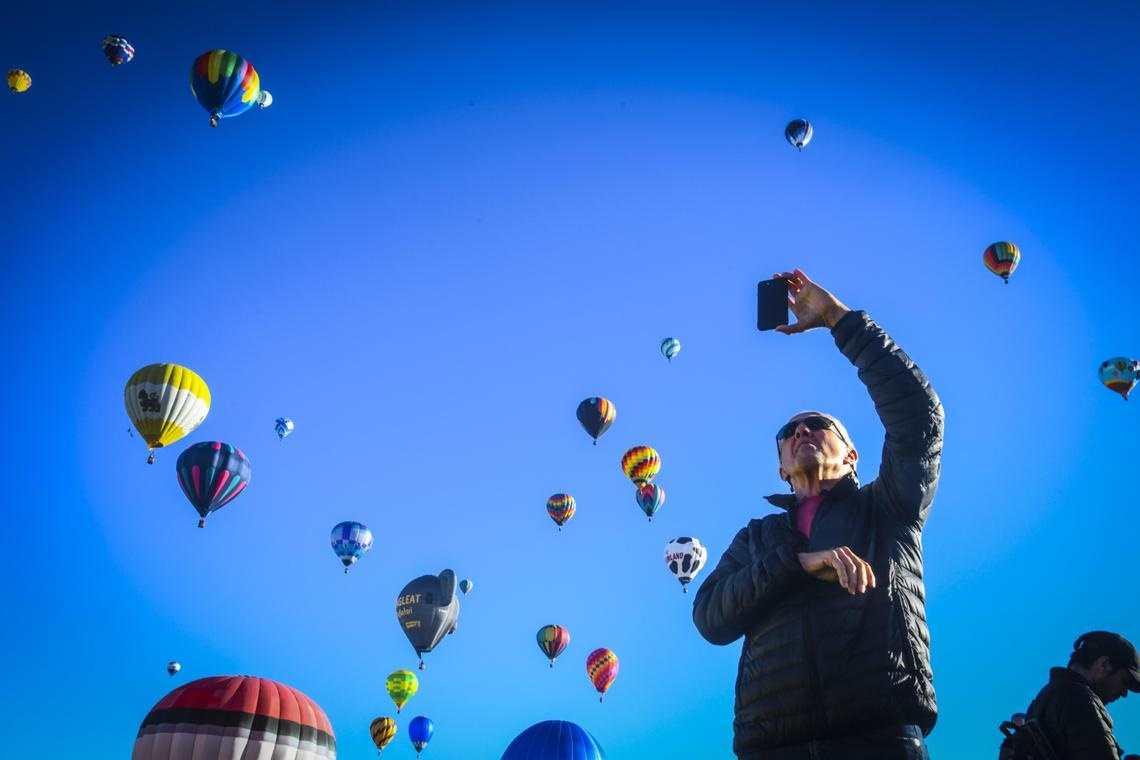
(815,422)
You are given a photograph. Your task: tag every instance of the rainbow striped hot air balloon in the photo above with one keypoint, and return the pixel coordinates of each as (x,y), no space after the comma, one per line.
(1001,259)
(602,668)
(650,497)
(225,84)
(165,402)
(211,719)
(552,640)
(19,80)
(561,508)
(212,474)
(641,464)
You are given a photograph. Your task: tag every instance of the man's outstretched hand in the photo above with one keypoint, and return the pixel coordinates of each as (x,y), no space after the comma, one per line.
(812,305)
(839,564)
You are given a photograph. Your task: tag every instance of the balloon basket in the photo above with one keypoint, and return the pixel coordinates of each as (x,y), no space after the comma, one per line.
(150,459)
(202,523)
(422,666)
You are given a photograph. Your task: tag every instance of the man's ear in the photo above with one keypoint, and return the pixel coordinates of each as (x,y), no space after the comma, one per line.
(851,457)
(783,475)
(1101,666)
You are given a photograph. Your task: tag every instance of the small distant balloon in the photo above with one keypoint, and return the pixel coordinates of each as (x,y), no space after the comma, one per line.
(560,507)
(173,667)
(641,464)
(402,685)
(350,540)
(596,414)
(465,586)
(1001,259)
(602,668)
(684,557)
(264,99)
(1120,374)
(382,730)
(552,640)
(117,49)
(19,80)
(798,133)
(670,347)
(650,497)
(284,428)
(420,731)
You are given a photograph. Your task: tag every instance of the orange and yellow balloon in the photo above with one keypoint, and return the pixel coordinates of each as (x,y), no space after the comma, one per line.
(602,668)
(19,80)
(641,464)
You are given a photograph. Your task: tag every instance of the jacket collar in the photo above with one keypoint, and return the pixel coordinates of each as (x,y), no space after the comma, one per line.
(842,489)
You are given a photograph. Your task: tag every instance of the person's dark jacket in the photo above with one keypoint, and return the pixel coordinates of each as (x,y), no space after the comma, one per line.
(817,661)
(1074,719)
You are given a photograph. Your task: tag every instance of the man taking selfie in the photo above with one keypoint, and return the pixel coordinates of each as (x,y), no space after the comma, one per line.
(828,593)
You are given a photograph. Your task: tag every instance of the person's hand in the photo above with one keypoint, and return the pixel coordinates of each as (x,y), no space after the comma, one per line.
(839,564)
(812,305)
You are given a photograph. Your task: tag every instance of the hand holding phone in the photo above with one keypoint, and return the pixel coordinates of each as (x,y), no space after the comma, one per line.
(771,303)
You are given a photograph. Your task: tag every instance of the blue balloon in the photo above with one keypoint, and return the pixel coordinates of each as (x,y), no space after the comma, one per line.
(555,740)
(350,540)
(420,731)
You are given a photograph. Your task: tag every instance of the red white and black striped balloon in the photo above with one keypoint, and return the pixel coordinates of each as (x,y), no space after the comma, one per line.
(235,718)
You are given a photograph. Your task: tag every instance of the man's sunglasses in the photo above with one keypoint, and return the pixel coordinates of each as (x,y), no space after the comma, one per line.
(813,423)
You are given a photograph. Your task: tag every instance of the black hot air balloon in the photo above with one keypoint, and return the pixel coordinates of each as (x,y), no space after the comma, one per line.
(428,609)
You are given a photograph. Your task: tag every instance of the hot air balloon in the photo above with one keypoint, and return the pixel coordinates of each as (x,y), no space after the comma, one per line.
(224,83)
(173,667)
(640,464)
(402,685)
(382,730)
(420,731)
(19,80)
(264,99)
(670,347)
(596,415)
(561,508)
(554,740)
(1120,374)
(685,556)
(602,667)
(1002,259)
(428,609)
(284,428)
(798,133)
(552,640)
(350,540)
(465,586)
(212,474)
(117,49)
(165,402)
(650,497)
(211,719)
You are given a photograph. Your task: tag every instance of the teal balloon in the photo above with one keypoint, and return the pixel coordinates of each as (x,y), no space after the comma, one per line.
(670,347)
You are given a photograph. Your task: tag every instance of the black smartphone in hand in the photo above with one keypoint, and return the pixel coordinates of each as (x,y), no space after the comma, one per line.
(771,303)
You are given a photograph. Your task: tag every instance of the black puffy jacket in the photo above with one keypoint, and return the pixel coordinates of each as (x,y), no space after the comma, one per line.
(1074,719)
(819,662)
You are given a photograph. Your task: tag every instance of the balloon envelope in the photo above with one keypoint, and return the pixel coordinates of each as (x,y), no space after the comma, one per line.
(465,586)
(428,609)
(684,557)
(602,668)
(224,83)
(382,730)
(211,719)
(1001,259)
(650,497)
(173,667)
(402,685)
(350,540)
(165,402)
(420,731)
(284,427)
(641,464)
(670,347)
(19,80)
(596,415)
(554,740)
(798,133)
(561,507)
(212,474)
(552,640)
(117,49)
(1120,374)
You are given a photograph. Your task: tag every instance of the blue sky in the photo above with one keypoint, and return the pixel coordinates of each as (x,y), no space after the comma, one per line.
(455,222)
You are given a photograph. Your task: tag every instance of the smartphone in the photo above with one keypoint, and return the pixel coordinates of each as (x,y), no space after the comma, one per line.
(771,303)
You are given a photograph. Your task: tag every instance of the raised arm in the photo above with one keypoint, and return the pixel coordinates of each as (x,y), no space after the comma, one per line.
(748,579)
(910,412)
